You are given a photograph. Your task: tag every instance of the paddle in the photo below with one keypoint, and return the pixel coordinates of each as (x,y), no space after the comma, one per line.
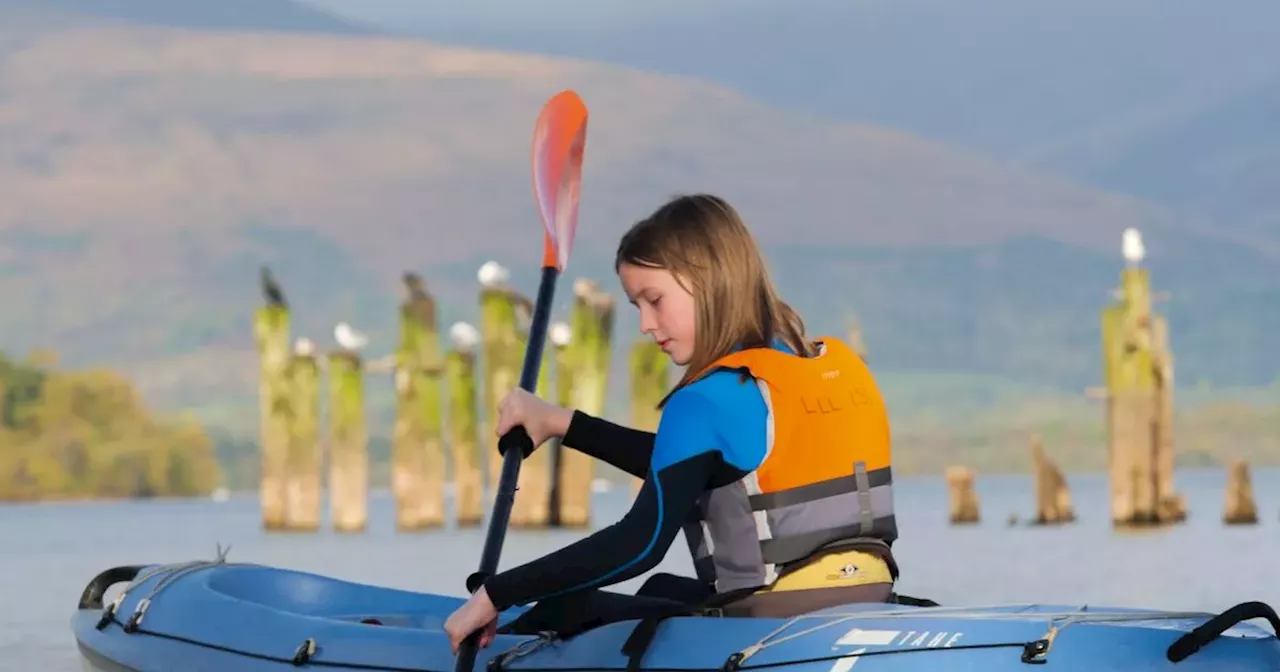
(559,138)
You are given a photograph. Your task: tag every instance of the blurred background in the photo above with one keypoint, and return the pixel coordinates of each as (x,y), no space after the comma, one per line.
(946,185)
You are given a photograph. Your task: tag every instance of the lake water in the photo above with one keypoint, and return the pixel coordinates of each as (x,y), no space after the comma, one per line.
(51,550)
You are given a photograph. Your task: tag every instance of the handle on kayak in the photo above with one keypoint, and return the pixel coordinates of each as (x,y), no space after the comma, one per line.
(1211,629)
(93,593)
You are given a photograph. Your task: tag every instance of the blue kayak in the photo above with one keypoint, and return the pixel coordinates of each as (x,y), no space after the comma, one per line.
(218,616)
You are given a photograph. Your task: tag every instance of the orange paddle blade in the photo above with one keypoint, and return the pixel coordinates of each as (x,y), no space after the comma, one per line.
(559,139)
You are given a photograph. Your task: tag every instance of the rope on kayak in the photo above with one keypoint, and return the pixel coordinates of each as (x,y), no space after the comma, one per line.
(1034,652)
(544,639)
(110,611)
(174,572)
(300,658)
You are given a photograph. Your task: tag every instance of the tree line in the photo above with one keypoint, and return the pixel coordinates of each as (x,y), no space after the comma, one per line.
(88,434)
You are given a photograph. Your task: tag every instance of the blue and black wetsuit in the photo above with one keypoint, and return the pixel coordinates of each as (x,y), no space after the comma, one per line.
(712,433)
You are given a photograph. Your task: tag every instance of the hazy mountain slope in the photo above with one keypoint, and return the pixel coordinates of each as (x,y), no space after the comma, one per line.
(279,15)
(1164,99)
(146,172)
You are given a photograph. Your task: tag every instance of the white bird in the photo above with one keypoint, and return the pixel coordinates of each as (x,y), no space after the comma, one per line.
(1132,246)
(349,338)
(304,347)
(492,273)
(583,288)
(560,334)
(464,336)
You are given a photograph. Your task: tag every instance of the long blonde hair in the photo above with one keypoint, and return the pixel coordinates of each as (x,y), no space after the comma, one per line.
(701,239)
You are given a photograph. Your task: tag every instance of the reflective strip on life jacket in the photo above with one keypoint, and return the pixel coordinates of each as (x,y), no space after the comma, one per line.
(810,501)
(804,519)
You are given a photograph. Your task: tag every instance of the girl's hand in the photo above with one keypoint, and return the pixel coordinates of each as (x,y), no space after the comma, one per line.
(541,419)
(477,613)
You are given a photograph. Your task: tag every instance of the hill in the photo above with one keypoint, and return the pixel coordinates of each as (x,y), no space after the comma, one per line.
(1111,94)
(146,172)
(268,15)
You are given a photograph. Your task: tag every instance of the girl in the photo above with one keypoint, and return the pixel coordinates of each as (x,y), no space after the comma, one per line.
(772,452)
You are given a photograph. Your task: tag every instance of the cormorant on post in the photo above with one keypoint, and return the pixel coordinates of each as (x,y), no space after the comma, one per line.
(414,286)
(271,289)
(419,303)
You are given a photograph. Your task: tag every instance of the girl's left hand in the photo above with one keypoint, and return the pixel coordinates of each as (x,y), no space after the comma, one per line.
(477,613)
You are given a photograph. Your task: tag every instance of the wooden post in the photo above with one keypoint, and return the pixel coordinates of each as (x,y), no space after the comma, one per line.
(1171,506)
(464,425)
(1139,377)
(592,324)
(1240,509)
(302,475)
(271,333)
(349,463)
(1053,497)
(963,496)
(857,342)
(418,463)
(560,334)
(500,360)
(532,507)
(649,374)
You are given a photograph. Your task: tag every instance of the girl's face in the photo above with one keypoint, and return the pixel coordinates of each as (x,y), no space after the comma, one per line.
(666,310)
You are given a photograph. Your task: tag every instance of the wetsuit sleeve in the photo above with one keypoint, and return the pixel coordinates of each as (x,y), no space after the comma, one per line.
(625,448)
(688,446)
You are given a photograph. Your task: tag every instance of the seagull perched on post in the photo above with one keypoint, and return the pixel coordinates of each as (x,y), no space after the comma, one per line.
(492,274)
(464,336)
(1132,247)
(560,334)
(349,338)
(304,347)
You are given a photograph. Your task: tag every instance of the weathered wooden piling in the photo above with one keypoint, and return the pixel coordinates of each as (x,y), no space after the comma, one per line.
(560,335)
(271,334)
(649,384)
(1053,497)
(464,426)
(302,472)
(591,322)
(857,341)
(1240,509)
(1138,373)
(500,358)
(532,506)
(418,464)
(348,442)
(1171,505)
(963,495)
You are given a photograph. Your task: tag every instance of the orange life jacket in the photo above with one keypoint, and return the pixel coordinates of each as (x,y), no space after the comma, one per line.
(826,479)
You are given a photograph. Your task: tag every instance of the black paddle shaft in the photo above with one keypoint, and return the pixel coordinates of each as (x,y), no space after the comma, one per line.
(518,439)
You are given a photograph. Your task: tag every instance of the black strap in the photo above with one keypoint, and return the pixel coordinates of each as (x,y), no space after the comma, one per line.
(896,598)
(643,634)
(475,580)
(1211,629)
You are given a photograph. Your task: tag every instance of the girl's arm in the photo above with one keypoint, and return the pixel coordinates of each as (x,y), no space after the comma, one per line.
(687,461)
(627,449)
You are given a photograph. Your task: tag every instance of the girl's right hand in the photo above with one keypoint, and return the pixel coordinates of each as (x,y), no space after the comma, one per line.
(541,419)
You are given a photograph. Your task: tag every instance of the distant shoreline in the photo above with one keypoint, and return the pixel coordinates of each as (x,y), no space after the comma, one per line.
(383,492)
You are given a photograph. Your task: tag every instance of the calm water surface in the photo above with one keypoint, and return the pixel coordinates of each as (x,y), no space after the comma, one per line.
(51,550)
